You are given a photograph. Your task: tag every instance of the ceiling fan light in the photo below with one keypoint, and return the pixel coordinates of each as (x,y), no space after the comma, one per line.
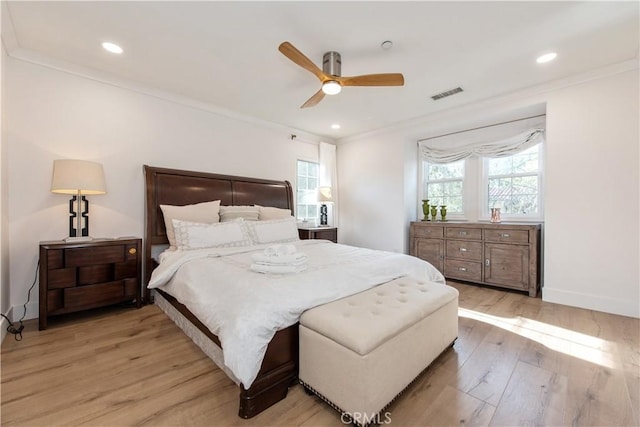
(331,87)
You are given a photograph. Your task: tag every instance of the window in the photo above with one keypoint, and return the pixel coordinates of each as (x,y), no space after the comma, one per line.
(443,184)
(307,190)
(513,183)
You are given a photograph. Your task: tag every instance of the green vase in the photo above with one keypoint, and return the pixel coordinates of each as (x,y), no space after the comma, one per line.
(434,212)
(425,209)
(443,212)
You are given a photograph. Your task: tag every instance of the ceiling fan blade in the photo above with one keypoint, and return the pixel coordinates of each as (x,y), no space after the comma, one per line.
(388,79)
(314,100)
(298,57)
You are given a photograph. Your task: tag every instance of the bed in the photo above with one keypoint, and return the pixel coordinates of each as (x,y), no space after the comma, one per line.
(277,370)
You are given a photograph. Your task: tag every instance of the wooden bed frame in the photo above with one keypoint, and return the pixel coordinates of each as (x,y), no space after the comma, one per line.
(178,187)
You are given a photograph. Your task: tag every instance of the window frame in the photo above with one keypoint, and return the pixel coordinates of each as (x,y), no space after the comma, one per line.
(297,206)
(459,216)
(475,191)
(483,206)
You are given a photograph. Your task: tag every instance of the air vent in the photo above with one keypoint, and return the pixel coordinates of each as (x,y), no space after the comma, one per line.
(446,93)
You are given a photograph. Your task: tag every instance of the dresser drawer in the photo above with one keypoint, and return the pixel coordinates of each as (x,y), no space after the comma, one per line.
(464,233)
(465,270)
(506,236)
(428,231)
(464,249)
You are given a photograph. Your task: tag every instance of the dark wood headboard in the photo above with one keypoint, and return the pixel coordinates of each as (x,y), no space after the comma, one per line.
(178,187)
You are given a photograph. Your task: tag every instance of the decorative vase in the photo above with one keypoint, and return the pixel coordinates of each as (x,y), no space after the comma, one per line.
(443,212)
(434,212)
(495,215)
(425,209)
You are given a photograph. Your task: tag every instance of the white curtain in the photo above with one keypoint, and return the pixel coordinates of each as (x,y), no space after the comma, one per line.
(329,177)
(490,141)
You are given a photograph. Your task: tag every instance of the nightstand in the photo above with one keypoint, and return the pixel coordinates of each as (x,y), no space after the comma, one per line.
(85,275)
(326,233)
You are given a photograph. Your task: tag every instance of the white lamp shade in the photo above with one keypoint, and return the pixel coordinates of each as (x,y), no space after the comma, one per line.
(324,194)
(73,176)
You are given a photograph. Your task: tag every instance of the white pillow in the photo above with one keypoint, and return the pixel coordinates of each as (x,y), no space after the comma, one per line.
(273,231)
(196,235)
(267,213)
(231,213)
(207,213)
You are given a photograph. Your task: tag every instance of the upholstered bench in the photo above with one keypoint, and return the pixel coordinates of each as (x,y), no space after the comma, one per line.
(359,353)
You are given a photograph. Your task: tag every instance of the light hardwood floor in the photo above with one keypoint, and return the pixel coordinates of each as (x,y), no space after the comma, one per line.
(517,362)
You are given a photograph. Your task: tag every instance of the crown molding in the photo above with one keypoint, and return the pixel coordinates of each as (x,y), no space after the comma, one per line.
(511,97)
(45,61)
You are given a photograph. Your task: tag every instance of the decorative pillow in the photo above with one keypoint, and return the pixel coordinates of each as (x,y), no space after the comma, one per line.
(196,235)
(273,231)
(267,213)
(230,213)
(206,212)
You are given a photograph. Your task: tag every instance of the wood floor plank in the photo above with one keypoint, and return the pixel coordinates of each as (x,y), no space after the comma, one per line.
(533,397)
(125,367)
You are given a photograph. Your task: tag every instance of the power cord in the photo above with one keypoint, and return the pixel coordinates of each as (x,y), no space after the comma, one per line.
(12,328)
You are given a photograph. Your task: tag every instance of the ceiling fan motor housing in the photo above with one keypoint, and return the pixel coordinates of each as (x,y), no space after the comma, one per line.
(332,64)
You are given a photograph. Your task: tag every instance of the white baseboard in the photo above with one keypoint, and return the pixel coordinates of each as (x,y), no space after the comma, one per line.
(4,324)
(622,307)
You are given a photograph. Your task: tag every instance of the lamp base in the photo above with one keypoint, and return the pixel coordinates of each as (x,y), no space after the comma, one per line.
(78,239)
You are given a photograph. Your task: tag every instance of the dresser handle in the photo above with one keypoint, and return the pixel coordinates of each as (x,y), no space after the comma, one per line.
(462,269)
(462,233)
(463,249)
(132,251)
(486,262)
(505,235)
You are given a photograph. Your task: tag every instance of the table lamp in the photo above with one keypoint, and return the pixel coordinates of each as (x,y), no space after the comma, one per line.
(324,197)
(79,178)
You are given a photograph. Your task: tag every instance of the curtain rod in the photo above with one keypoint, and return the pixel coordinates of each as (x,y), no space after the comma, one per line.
(481,127)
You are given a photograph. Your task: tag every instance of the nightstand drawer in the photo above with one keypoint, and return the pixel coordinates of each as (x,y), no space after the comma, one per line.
(62,278)
(93,255)
(465,270)
(88,295)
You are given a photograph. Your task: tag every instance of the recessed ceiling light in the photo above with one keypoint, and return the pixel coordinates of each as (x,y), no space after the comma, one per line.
(546,57)
(112,47)
(386,45)
(335,126)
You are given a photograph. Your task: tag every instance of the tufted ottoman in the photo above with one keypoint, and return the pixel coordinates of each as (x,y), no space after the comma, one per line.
(360,352)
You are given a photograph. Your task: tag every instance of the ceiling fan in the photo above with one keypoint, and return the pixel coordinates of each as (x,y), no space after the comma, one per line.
(332,82)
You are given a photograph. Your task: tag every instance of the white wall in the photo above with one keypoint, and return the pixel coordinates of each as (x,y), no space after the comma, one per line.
(592,185)
(53,114)
(4,240)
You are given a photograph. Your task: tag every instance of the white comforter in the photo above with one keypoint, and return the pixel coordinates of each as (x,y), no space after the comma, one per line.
(245,309)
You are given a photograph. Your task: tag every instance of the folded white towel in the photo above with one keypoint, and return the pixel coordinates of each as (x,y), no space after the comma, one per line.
(278,269)
(291,259)
(279,250)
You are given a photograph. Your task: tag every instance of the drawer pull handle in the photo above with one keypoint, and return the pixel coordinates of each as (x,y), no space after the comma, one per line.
(505,235)
(486,262)
(462,269)
(463,249)
(428,231)
(132,251)
(462,233)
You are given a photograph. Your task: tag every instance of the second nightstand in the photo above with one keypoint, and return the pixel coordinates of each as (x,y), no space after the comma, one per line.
(85,275)
(326,233)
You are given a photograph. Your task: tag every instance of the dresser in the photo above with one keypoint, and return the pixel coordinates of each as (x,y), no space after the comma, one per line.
(505,255)
(85,275)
